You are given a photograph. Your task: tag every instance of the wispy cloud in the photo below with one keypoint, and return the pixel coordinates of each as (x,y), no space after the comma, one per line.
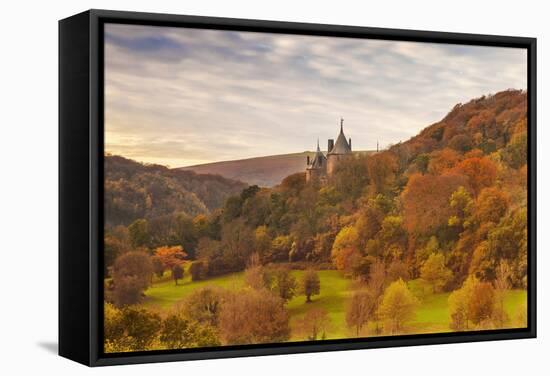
(185,96)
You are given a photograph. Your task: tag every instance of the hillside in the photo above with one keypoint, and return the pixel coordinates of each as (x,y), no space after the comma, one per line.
(487,123)
(436,226)
(262,171)
(134,190)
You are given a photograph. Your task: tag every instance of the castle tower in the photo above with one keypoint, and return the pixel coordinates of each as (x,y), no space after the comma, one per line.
(340,150)
(316,167)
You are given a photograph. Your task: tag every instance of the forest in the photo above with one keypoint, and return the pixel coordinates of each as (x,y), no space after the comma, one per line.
(428,235)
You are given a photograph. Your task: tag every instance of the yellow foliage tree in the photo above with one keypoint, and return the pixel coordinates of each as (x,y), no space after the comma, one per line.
(434,272)
(398,307)
(345,252)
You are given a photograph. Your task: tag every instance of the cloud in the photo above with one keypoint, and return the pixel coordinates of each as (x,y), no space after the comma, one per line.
(185,96)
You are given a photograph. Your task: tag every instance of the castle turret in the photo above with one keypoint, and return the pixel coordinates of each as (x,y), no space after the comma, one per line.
(330,145)
(341,149)
(318,166)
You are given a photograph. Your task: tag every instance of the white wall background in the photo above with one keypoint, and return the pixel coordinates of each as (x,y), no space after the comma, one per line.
(28,193)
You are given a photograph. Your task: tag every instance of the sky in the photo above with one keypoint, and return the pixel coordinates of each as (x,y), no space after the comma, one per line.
(180,97)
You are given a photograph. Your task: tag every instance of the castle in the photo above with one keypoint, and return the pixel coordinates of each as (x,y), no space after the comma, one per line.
(320,167)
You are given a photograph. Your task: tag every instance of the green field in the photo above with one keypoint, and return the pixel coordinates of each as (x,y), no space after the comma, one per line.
(431,316)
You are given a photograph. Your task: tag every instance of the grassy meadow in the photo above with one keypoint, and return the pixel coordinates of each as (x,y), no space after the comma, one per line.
(432,316)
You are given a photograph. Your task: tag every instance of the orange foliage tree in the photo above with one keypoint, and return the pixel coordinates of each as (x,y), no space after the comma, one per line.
(443,160)
(426,204)
(481,172)
(382,168)
(171,256)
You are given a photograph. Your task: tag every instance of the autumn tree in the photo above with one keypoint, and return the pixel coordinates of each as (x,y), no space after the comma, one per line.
(350,178)
(142,326)
(398,307)
(398,270)
(262,241)
(131,276)
(177,273)
(113,329)
(171,256)
(198,270)
(345,251)
(360,310)
(515,153)
(502,285)
(311,285)
(491,205)
(442,160)
(203,305)
(315,324)
(458,305)
(255,274)
(371,215)
(139,233)
(178,332)
(461,208)
(257,316)
(425,199)
(283,283)
(173,259)
(434,272)
(473,303)
(422,253)
(377,279)
(113,246)
(382,168)
(482,303)
(461,143)
(507,240)
(184,232)
(158,266)
(237,244)
(392,232)
(481,172)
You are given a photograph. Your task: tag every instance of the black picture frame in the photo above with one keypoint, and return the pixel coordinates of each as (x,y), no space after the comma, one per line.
(81,188)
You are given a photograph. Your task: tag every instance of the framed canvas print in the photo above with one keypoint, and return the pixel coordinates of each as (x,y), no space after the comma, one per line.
(235,187)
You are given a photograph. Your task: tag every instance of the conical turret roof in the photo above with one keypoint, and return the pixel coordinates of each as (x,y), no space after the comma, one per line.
(341,146)
(319,159)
